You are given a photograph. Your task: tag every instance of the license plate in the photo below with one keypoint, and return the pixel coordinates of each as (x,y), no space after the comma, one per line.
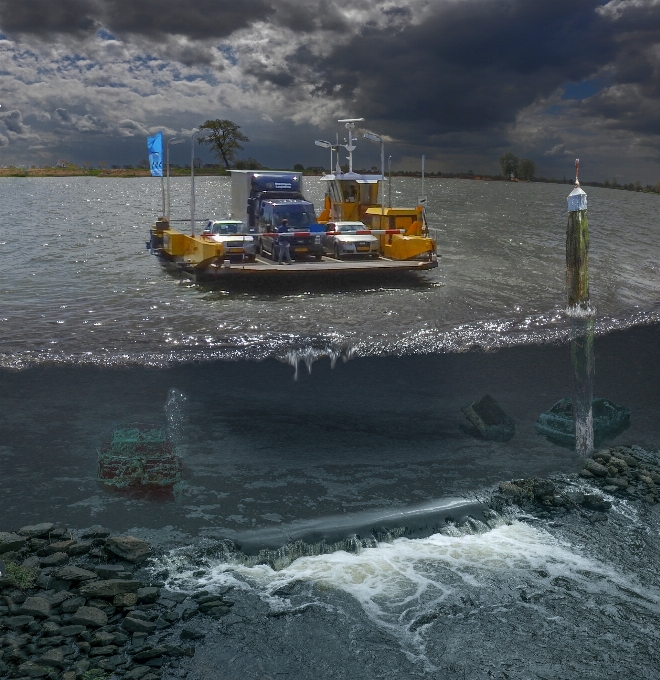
(361,248)
(234,250)
(300,250)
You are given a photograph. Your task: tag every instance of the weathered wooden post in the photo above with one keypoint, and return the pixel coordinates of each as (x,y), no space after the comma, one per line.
(582,360)
(582,341)
(577,246)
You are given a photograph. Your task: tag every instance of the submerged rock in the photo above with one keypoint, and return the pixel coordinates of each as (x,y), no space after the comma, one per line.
(129,548)
(55,560)
(596,469)
(191,634)
(36,530)
(10,542)
(134,625)
(596,502)
(108,588)
(490,420)
(71,573)
(33,670)
(36,606)
(90,616)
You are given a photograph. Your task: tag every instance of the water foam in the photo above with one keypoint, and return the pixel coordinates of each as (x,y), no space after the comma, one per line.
(488,335)
(403,586)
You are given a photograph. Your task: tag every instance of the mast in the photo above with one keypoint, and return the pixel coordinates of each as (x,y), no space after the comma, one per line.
(350,147)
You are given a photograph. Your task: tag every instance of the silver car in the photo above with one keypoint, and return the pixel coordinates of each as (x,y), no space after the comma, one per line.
(343,239)
(233,234)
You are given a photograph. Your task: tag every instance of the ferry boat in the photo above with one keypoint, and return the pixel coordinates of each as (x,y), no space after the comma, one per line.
(403,234)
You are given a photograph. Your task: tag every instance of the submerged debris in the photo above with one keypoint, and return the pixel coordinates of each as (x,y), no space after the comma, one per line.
(558,425)
(490,420)
(138,455)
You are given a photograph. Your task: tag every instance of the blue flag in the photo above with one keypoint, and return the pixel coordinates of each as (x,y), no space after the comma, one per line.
(155,146)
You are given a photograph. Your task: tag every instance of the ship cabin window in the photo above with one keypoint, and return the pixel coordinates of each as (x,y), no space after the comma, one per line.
(350,192)
(335,192)
(368,194)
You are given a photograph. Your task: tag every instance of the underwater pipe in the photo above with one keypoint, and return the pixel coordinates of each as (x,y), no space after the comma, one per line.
(416,522)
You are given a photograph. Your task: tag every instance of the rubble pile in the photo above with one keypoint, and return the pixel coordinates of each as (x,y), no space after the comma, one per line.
(83,606)
(627,472)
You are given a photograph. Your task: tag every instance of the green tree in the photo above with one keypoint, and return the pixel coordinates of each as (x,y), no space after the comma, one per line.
(225,138)
(299,167)
(509,164)
(249,164)
(526,169)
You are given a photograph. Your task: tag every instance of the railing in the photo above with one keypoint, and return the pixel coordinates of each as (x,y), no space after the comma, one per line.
(435,235)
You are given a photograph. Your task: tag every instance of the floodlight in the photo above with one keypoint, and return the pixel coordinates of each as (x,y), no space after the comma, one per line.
(324,144)
(373,137)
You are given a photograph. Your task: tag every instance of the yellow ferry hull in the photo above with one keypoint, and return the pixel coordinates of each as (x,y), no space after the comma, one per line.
(192,250)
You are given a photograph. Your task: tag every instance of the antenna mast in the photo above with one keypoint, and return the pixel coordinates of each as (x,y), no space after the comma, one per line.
(350,147)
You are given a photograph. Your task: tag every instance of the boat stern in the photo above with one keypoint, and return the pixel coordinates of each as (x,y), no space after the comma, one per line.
(403,247)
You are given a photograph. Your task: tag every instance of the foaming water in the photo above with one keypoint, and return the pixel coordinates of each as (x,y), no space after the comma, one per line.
(406,587)
(83,289)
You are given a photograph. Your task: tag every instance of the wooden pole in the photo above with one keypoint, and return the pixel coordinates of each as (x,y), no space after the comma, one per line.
(582,342)
(582,360)
(577,247)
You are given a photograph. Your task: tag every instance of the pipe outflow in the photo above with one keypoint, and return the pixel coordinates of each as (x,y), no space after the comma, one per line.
(413,522)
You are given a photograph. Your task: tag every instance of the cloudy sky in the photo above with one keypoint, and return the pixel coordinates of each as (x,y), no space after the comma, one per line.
(461,81)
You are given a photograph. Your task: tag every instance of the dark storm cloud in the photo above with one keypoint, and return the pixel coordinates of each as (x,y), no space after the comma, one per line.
(14,122)
(196,19)
(44,16)
(63,115)
(632,100)
(476,64)
(469,65)
(309,16)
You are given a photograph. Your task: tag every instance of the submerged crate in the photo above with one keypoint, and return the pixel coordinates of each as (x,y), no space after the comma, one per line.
(137,454)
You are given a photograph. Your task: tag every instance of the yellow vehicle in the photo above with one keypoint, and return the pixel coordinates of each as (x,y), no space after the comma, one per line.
(350,196)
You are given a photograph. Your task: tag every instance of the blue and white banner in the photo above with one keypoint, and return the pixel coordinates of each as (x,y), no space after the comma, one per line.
(155,146)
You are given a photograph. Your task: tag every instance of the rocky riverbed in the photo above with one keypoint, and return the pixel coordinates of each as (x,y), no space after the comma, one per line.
(631,473)
(87,605)
(83,605)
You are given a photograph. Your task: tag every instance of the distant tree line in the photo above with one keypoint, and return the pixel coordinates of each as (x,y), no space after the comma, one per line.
(516,168)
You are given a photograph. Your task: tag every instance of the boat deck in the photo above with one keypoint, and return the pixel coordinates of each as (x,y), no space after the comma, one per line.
(327,266)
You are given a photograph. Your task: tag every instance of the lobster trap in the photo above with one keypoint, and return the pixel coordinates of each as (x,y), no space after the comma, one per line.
(138,454)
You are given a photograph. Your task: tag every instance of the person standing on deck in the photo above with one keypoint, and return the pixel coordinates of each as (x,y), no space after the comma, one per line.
(284,242)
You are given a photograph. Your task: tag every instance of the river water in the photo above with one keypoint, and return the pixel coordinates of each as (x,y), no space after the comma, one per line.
(300,410)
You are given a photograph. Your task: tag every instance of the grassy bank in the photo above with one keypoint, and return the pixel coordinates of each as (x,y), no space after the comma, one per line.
(124,172)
